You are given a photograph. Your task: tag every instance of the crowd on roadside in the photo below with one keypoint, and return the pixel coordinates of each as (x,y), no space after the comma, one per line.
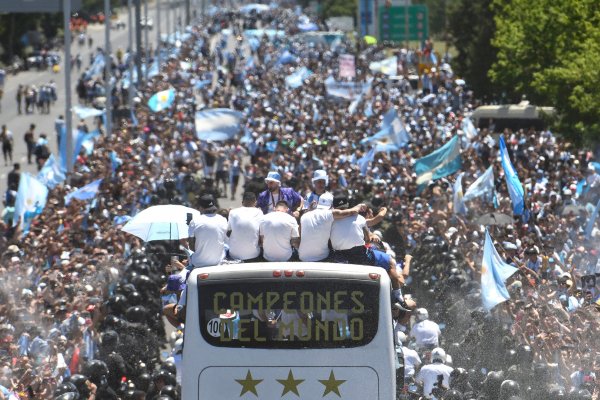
(81,308)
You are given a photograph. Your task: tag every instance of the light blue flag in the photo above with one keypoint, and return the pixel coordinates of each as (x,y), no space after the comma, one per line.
(442,162)
(468,128)
(96,68)
(515,189)
(30,201)
(392,134)
(86,112)
(224,121)
(62,150)
(590,225)
(389,66)
(87,192)
(162,100)
(286,58)
(203,83)
(297,78)
(363,162)
(115,162)
(458,200)
(271,146)
(51,174)
(86,141)
(369,109)
(494,272)
(483,186)
(153,70)
(134,120)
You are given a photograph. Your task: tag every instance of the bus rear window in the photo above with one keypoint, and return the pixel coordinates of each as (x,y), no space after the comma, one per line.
(289,314)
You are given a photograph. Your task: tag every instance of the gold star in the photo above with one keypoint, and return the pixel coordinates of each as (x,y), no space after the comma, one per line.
(290,384)
(331,385)
(248,384)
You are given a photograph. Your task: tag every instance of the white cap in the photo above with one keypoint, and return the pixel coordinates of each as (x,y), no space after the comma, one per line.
(438,354)
(320,175)
(325,201)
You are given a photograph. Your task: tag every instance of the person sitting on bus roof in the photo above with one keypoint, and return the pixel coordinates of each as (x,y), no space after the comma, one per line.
(315,228)
(269,198)
(348,239)
(209,233)
(279,233)
(243,230)
(320,180)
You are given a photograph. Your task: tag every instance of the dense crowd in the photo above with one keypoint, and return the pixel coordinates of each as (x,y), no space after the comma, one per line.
(81,311)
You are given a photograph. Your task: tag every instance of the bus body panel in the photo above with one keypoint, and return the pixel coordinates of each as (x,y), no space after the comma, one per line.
(211,372)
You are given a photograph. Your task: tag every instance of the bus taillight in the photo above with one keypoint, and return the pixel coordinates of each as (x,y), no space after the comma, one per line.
(288,273)
(374,276)
(276,273)
(299,274)
(203,276)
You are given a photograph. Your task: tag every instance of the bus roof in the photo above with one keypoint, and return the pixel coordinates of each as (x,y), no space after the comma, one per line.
(523,110)
(288,269)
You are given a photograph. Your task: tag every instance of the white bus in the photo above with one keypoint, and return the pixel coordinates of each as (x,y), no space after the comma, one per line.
(288,331)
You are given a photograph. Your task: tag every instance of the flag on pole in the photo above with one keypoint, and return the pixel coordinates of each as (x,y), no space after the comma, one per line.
(388,67)
(494,272)
(162,100)
(515,189)
(482,186)
(442,162)
(86,192)
(590,225)
(392,134)
(468,128)
(297,78)
(363,162)
(51,174)
(459,204)
(30,201)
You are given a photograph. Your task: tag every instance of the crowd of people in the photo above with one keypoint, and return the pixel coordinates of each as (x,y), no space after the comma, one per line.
(81,313)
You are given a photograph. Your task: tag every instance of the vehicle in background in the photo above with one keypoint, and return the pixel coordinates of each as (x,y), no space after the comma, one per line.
(311,329)
(512,116)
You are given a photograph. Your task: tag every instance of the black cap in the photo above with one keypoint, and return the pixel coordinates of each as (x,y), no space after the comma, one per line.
(249,196)
(341,202)
(207,201)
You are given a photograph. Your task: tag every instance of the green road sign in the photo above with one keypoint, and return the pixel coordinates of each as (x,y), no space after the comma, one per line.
(392,23)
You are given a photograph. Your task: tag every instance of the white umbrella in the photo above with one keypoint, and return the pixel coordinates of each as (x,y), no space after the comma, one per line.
(166,222)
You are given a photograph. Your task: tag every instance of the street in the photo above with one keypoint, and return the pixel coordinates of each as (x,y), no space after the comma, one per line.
(19,124)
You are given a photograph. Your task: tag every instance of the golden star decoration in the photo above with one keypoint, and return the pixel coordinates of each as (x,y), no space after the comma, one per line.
(331,385)
(290,384)
(249,384)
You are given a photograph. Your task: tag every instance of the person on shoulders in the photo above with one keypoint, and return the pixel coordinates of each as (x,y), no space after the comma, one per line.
(279,234)
(243,229)
(268,199)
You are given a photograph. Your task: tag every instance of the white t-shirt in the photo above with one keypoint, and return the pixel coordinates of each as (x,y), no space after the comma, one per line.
(316,229)
(244,224)
(347,233)
(428,376)
(412,361)
(210,232)
(277,229)
(426,333)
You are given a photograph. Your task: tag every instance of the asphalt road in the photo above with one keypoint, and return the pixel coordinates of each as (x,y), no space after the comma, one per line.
(18,124)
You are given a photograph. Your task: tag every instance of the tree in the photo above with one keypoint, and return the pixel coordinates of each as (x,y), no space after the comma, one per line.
(471,27)
(337,8)
(550,51)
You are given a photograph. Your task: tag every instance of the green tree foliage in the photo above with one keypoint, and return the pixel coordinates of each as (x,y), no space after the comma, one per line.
(471,28)
(550,51)
(337,8)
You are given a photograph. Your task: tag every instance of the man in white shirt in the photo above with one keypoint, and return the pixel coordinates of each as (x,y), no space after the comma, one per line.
(430,373)
(243,226)
(279,233)
(315,228)
(412,361)
(425,332)
(320,181)
(209,233)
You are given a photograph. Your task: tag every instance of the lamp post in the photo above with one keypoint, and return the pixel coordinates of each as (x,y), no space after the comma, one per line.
(107,68)
(68,113)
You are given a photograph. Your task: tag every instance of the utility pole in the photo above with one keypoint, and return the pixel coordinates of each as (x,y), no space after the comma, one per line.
(131,53)
(158,41)
(406,31)
(146,33)
(107,68)
(168,4)
(68,138)
(187,12)
(138,40)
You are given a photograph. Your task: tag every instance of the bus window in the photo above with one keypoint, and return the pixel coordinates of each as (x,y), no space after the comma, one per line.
(260,313)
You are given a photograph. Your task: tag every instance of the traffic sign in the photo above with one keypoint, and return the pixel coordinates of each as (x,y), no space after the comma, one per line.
(29,6)
(393,20)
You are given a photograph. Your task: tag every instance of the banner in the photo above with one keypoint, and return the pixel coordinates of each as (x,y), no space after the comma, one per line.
(347,66)
(345,90)
(218,124)
(389,66)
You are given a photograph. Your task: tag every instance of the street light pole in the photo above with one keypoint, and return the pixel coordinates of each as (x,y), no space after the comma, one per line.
(147,41)
(158,32)
(131,53)
(107,68)
(138,41)
(68,137)
(168,4)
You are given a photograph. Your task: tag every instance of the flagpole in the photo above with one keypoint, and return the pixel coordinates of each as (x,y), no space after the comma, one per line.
(68,112)
(107,68)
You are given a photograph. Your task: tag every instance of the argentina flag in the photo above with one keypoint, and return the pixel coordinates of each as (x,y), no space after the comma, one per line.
(30,201)
(515,189)
(482,186)
(162,100)
(442,162)
(494,272)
